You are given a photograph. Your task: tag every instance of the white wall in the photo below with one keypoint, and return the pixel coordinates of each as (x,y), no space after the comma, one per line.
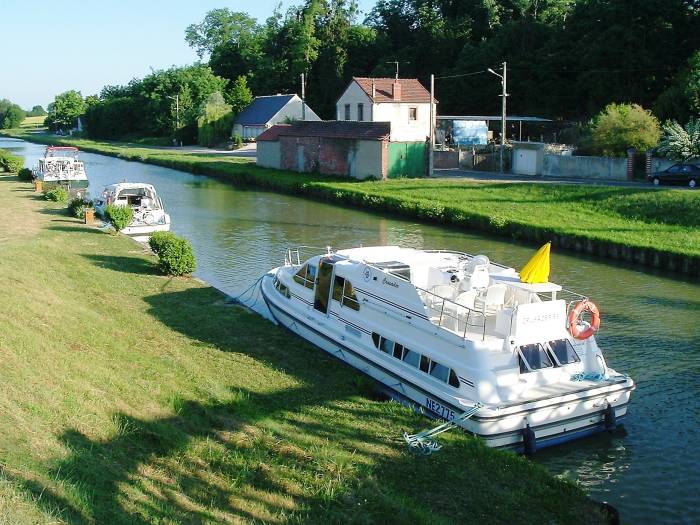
(402,128)
(268,154)
(292,111)
(354,95)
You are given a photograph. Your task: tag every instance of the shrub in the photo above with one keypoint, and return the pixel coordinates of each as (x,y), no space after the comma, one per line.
(57,194)
(622,126)
(119,216)
(175,255)
(77,207)
(159,239)
(237,141)
(214,121)
(10,162)
(681,143)
(25,174)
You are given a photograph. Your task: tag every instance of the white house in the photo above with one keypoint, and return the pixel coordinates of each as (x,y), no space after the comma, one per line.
(264,112)
(403,102)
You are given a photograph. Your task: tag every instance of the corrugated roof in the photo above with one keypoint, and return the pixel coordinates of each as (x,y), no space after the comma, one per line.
(411,89)
(337,129)
(262,109)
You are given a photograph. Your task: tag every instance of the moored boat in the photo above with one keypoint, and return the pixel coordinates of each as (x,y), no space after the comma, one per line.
(457,334)
(61,166)
(149,213)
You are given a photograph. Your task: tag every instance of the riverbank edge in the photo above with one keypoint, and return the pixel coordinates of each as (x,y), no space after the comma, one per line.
(246,173)
(501,462)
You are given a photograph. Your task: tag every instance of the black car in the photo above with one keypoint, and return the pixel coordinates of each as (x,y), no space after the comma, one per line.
(686,174)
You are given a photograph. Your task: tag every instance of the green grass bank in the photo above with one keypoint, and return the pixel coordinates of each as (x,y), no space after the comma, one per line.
(658,228)
(132,398)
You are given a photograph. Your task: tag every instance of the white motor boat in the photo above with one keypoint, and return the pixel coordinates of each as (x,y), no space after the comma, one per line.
(456,334)
(61,166)
(149,214)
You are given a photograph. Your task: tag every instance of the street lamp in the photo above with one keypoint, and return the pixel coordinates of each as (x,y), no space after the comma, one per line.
(504,94)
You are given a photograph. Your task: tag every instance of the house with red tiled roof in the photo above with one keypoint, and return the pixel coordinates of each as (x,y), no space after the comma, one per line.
(403,102)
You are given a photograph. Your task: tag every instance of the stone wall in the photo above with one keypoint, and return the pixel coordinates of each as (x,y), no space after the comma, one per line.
(602,168)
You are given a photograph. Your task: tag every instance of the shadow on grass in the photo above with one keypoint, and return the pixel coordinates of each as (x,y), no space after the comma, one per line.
(136,265)
(313,452)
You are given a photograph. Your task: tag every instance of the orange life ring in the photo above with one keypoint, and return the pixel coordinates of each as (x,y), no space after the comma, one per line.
(584,306)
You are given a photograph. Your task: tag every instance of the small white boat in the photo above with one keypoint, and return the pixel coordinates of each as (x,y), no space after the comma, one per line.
(61,166)
(149,214)
(456,334)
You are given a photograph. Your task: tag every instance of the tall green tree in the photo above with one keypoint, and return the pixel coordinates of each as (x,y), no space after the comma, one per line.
(11,115)
(221,27)
(36,111)
(65,110)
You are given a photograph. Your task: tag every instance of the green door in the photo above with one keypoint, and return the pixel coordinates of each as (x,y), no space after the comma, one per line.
(406,159)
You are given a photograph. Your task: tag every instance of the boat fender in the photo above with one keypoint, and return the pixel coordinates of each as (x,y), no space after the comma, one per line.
(584,306)
(529,440)
(609,418)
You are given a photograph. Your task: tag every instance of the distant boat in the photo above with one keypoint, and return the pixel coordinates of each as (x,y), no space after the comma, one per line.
(149,213)
(460,337)
(61,166)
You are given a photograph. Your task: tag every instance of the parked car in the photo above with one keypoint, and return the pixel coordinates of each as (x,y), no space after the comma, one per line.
(681,173)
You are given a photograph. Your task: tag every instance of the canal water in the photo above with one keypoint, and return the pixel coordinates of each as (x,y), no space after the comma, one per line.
(649,469)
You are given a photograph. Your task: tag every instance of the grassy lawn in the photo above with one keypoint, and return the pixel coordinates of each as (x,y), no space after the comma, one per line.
(665,221)
(129,397)
(33,122)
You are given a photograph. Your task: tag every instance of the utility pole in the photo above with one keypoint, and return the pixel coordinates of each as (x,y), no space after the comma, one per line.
(303,98)
(396,63)
(431,146)
(177,114)
(504,94)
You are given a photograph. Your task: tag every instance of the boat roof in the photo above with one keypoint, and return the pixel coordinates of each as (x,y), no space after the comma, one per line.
(64,148)
(130,186)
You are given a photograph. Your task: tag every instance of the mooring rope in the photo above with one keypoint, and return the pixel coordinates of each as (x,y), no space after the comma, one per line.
(423,442)
(240,297)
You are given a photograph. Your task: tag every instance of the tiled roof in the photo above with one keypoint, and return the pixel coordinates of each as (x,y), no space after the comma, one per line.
(411,89)
(337,129)
(262,109)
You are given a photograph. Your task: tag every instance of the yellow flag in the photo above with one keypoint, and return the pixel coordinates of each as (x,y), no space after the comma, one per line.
(537,268)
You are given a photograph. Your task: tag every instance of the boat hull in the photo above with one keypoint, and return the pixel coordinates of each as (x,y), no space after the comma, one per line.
(554,420)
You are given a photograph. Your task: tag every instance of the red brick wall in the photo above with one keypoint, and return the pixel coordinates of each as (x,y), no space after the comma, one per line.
(334,156)
(289,155)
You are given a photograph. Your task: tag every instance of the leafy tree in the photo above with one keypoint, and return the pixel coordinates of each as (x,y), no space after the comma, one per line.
(37,111)
(240,95)
(214,121)
(221,27)
(681,99)
(65,110)
(11,115)
(680,143)
(622,126)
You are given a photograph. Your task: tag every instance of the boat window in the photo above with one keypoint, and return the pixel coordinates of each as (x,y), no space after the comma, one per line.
(306,276)
(398,351)
(349,297)
(411,357)
(387,346)
(338,286)
(454,380)
(533,357)
(281,288)
(425,364)
(375,338)
(439,371)
(563,352)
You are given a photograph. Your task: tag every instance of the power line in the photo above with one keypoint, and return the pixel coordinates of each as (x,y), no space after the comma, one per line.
(462,75)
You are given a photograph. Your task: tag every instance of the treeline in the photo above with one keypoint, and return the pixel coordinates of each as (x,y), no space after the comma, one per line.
(566,58)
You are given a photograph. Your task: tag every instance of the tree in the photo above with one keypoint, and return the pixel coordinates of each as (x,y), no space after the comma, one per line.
(65,110)
(11,115)
(240,95)
(36,111)
(680,143)
(621,126)
(214,121)
(681,99)
(221,27)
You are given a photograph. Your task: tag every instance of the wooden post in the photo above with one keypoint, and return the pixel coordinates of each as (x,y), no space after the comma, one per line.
(89,215)
(38,186)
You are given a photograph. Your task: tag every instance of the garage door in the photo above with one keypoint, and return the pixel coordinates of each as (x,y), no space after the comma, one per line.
(525,162)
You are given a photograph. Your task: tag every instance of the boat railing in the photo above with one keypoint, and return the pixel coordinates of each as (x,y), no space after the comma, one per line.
(294,256)
(453,316)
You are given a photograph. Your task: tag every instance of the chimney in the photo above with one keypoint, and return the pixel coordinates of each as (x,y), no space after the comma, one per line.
(374,90)
(396,90)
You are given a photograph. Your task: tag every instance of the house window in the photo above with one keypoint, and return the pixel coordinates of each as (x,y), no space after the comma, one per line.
(412,113)
(360,112)
(347,111)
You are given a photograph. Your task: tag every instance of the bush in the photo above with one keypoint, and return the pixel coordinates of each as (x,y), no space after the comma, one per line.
(77,207)
(681,143)
(175,255)
(25,174)
(237,141)
(10,162)
(57,194)
(119,216)
(622,126)
(160,239)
